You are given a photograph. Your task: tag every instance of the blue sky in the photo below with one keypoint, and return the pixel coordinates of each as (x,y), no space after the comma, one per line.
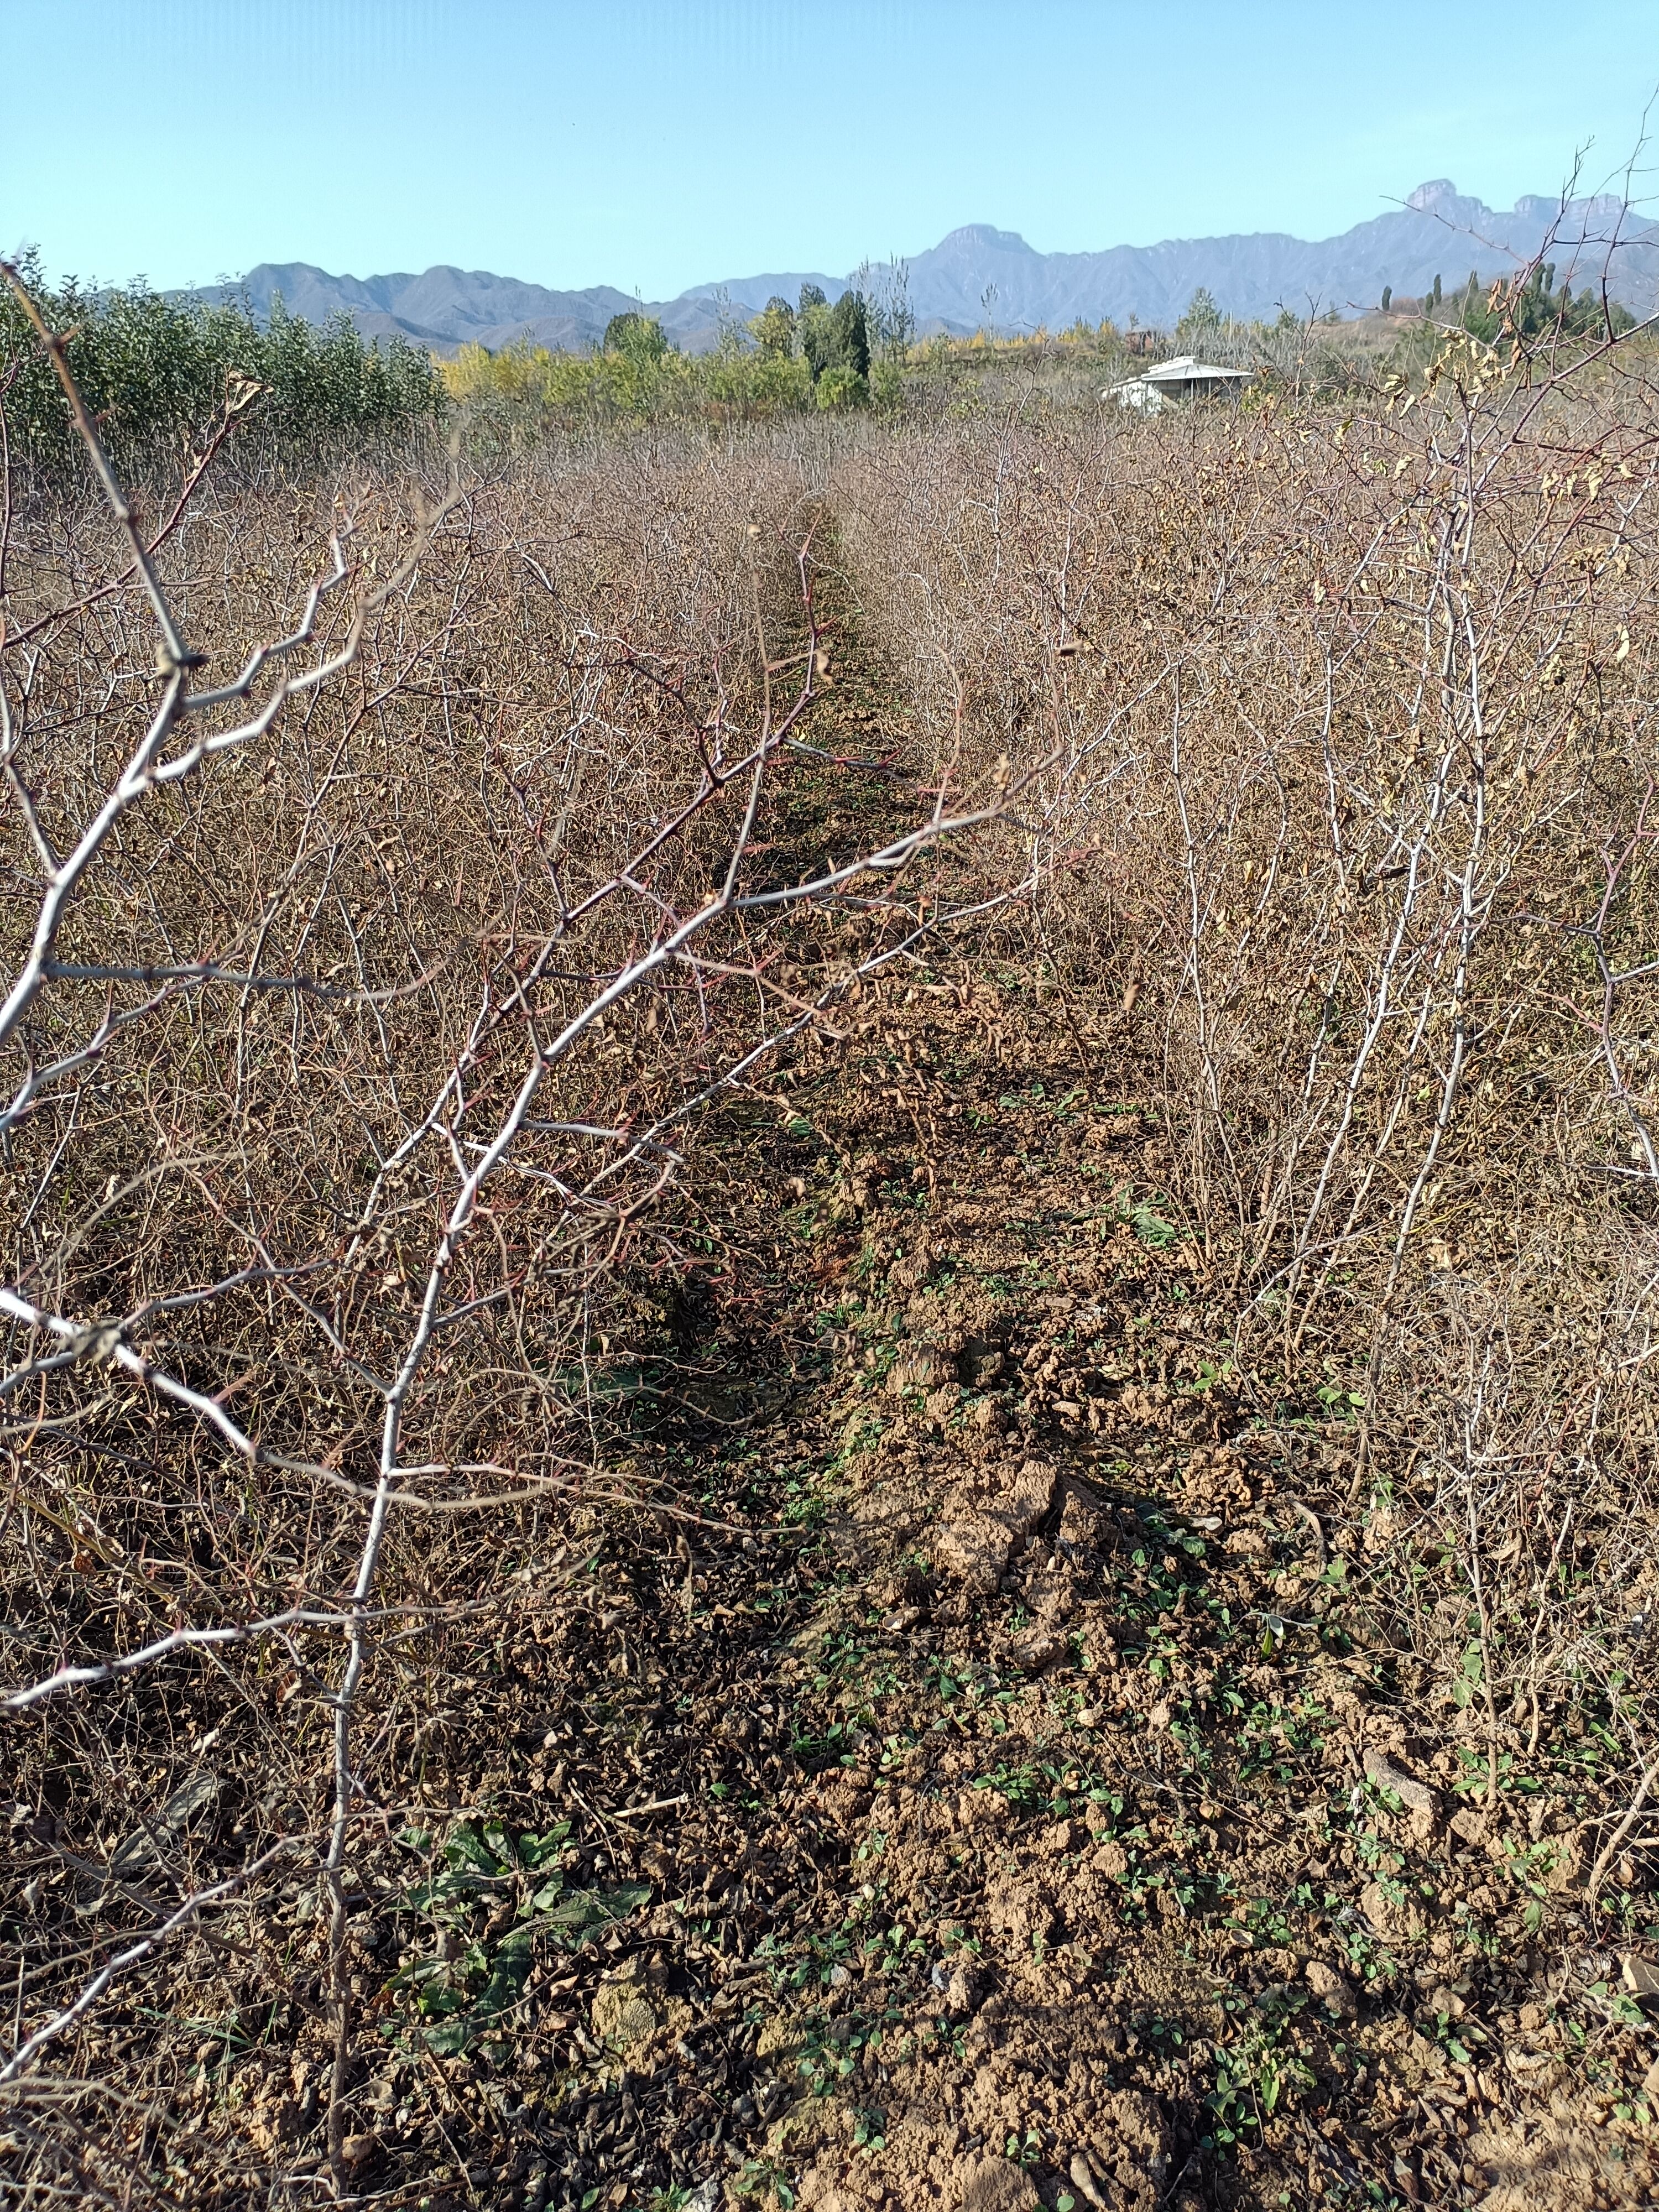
(652,146)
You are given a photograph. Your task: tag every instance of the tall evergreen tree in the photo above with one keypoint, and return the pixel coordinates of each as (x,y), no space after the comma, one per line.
(849,334)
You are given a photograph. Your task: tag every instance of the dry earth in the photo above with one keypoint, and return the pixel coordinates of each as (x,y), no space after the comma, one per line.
(993,1790)
(1038,1823)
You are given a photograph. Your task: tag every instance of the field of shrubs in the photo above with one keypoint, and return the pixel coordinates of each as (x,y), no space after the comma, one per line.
(828,1263)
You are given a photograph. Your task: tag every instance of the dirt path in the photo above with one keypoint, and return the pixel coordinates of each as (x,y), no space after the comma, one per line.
(995,1794)
(1036,1821)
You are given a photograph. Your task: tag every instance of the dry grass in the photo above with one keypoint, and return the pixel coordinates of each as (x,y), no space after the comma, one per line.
(1304,763)
(1357,817)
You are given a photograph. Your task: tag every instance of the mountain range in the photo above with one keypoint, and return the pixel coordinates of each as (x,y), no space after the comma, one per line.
(982,278)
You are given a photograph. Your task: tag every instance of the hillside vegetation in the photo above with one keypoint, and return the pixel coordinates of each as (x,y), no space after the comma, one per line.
(829,1272)
(160,373)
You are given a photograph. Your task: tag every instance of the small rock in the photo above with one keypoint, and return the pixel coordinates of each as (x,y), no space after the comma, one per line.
(1390,1920)
(1568,1868)
(1415,1796)
(1085,2181)
(941,1404)
(923,1368)
(1131,2160)
(622,2014)
(1038,1648)
(355,2148)
(1111,1860)
(1159,1715)
(1032,1496)
(1082,1523)
(907,1616)
(1065,1836)
(1639,1976)
(1469,1826)
(975,1552)
(1088,1716)
(779,2032)
(961,1992)
(1331,1990)
(1001,2186)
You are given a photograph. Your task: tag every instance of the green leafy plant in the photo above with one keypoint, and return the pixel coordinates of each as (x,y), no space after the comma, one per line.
(466,1988)
(156,372)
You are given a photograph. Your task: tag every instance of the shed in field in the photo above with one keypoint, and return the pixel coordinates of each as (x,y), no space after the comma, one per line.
(1185,377)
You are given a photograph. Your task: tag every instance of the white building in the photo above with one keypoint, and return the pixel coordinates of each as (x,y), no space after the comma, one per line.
(1185,377)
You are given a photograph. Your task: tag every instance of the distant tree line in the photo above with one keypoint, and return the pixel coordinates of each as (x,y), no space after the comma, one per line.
(1535,310)
(1529,309)
(786,360)
(157,372)
(834,342)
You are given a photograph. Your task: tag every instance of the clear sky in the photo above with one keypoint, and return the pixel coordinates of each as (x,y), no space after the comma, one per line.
(656,144)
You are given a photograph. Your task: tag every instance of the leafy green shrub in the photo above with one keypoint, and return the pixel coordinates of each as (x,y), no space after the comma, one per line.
(886,384)
(157,372)
(1536,310)
(834,337)
(817,344)
(758,384)
(523,388)
(785,361)
(774,328)
(840,386)
(639,338)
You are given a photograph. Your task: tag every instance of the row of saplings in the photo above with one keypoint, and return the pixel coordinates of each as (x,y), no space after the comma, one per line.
(833,342)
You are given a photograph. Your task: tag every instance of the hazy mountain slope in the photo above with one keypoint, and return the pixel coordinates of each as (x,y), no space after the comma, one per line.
(979,274)
(441,307)
(1439,231)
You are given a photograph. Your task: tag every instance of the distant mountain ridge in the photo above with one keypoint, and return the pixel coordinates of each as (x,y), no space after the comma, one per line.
(981,276)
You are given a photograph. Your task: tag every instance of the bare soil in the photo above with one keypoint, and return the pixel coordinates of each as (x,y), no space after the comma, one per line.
(987,1787)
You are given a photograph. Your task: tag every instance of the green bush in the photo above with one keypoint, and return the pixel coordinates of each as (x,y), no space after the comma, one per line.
(1536,310)
(817,343)
(636,337)
(523,390)
(774,328)
(834,337)
(157,372)
(886,384)
(777,383)
(841,386)
(784,361)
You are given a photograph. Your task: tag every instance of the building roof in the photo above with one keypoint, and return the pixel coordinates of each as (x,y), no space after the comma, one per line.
(1187,368)
(1178,377)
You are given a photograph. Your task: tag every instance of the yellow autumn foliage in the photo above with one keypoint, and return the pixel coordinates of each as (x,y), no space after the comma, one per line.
(618,385)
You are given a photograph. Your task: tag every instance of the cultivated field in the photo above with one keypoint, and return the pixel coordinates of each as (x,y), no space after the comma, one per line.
(830,1275)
